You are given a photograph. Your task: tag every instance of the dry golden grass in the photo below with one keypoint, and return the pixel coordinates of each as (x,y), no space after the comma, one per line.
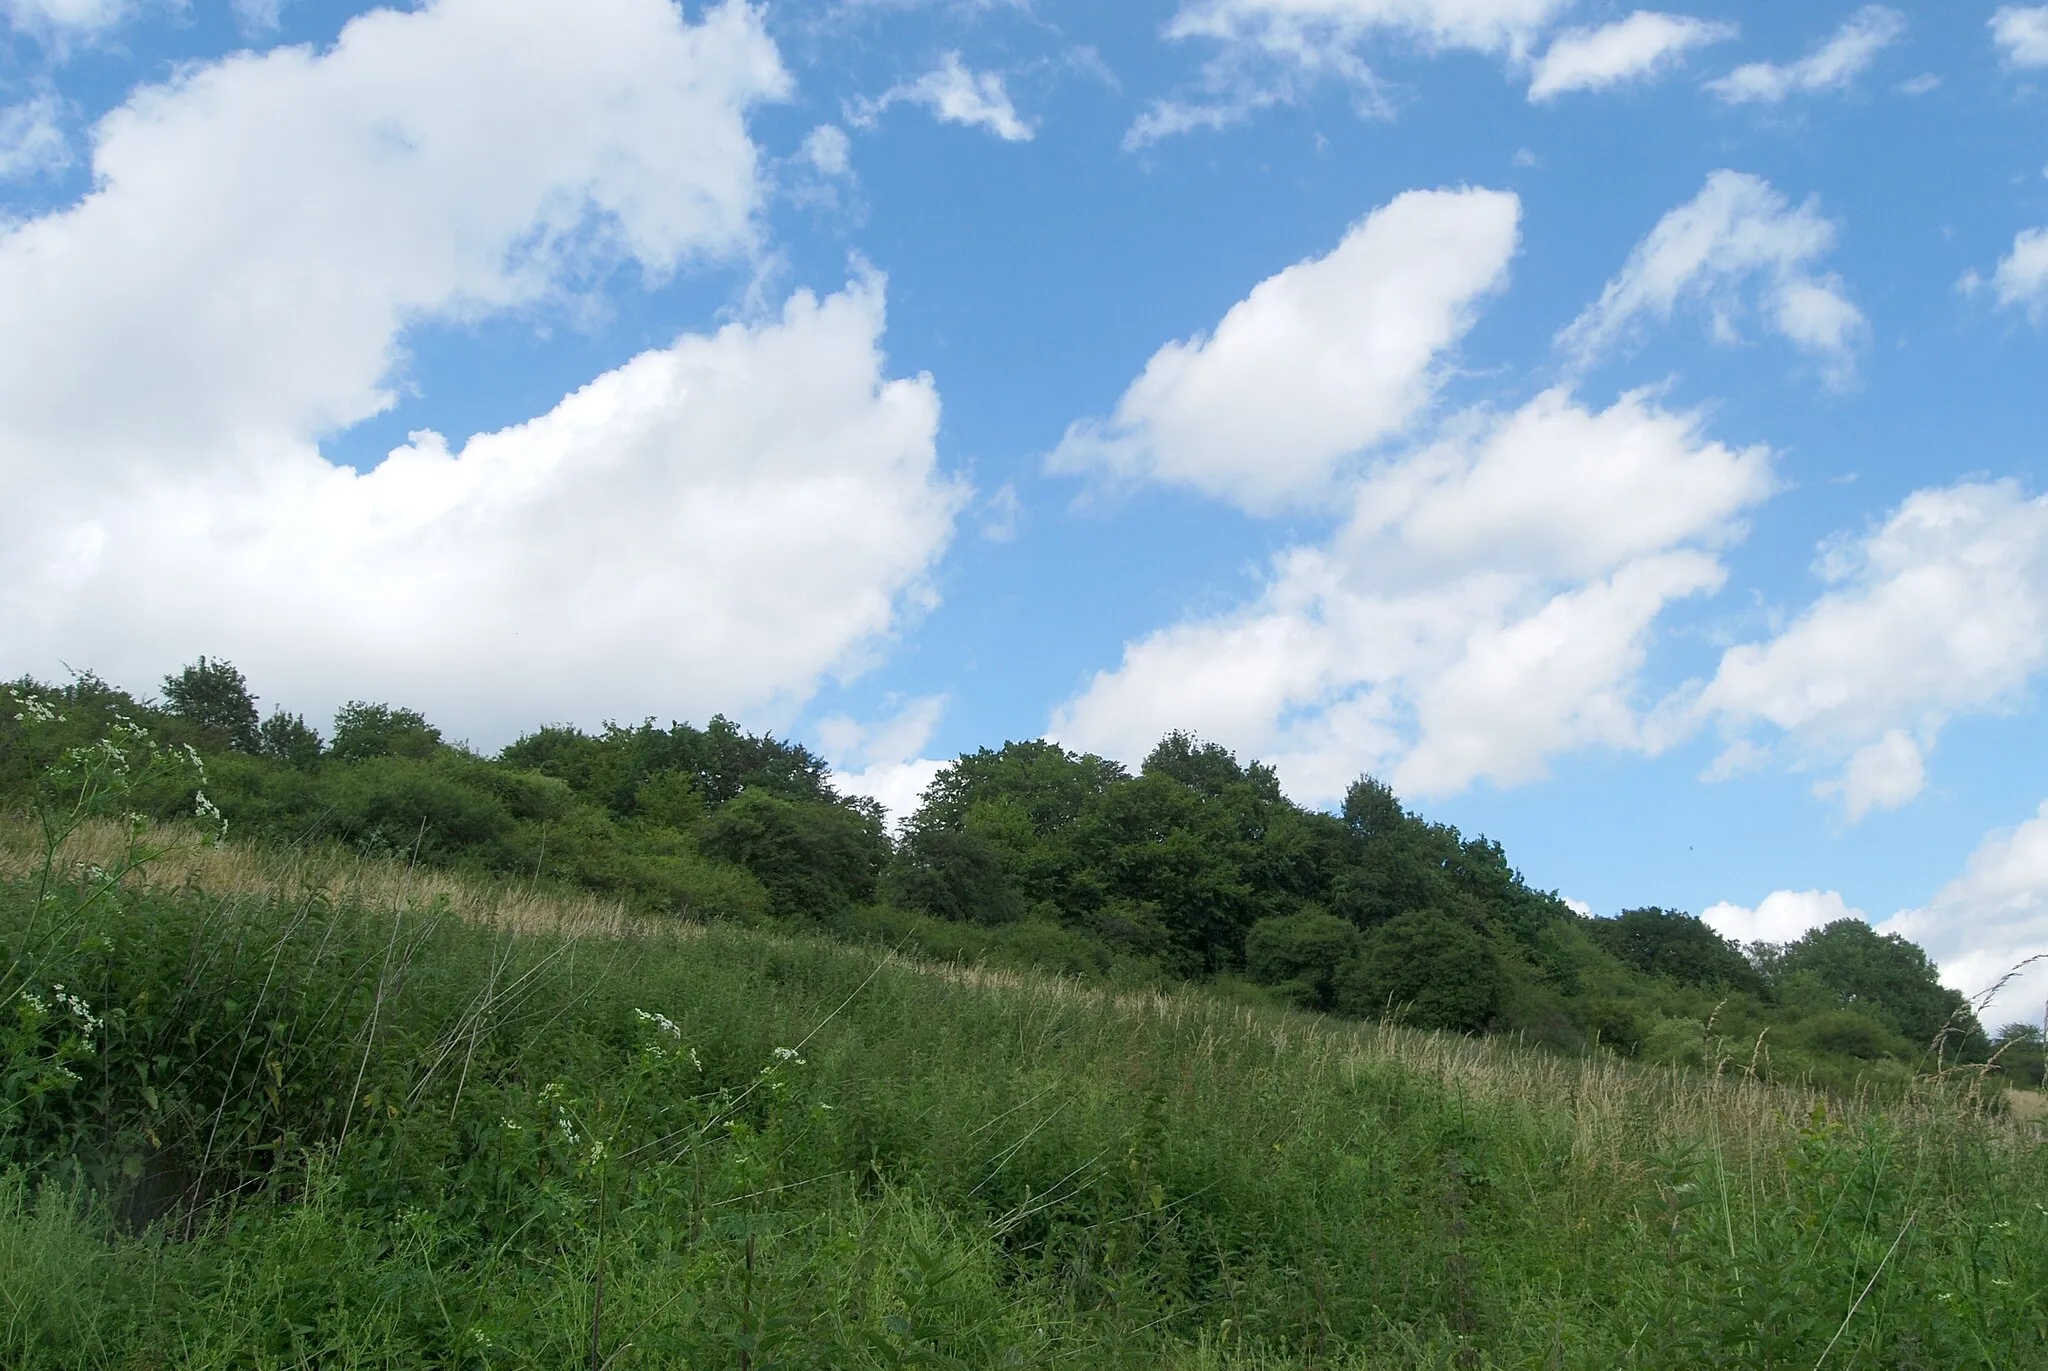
(231,868)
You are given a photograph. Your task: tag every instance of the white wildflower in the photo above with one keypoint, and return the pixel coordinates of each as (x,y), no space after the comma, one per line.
(661,1021)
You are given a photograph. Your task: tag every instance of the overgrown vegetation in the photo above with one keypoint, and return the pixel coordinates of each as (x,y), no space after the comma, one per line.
(280,1106)
(1195,868)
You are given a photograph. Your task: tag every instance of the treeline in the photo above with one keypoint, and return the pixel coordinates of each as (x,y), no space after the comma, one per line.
(1195,867)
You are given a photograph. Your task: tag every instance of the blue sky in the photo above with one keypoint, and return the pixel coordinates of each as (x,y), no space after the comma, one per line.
(1619,428)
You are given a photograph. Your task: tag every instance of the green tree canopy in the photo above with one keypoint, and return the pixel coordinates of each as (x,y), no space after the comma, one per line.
(1895,978)
(214,696)
(363,731)
(1665,942)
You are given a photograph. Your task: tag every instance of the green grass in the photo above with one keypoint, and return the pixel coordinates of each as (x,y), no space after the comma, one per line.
(314,1132)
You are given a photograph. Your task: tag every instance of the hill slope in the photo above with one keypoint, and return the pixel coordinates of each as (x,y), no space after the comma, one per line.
(379,1122)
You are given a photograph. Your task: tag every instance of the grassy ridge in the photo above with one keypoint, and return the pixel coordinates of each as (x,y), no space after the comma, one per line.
(345,1117)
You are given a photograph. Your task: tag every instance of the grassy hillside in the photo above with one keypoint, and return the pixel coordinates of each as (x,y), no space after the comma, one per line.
(1193,868)
(272,1111)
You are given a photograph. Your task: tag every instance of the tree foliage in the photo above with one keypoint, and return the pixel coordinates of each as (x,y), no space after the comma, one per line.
(213,696)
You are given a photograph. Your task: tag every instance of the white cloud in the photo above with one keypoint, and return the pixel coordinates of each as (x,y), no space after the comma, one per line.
(1940,611)
(1831,66)
(1629,49)
(263,229)
(1988,920)
(828,150)
(1885,774)
(1486,607)
(57,18)
(2022,275)
(954,95)
(2021,33)
(32,141)
(883,761)
(1271,52)
(1782,916)
(1318,362)
(711,525)
(1736,230)
(258,17)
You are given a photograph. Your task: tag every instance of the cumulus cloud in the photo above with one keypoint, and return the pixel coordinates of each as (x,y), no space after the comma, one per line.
(884,761)
(1631,49)
(1737,231)
(1317,363)
(32,140)
(1486,606)
(1990,919)
(1270,52)
(954,95)
(1831,66)
(1782,916)
(828,150)
(2022,276)
(2021,33)
(1942,610)
(712,524)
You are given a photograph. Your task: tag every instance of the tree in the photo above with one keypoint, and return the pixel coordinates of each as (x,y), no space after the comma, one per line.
(363,731)
(288,738)
(1883,972)
(2021,1053)
(212,695)
(1427,968)
(1372,810)
(1677,946)
(956,875)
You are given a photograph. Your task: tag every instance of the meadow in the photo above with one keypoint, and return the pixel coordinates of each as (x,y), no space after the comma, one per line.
(268,1108)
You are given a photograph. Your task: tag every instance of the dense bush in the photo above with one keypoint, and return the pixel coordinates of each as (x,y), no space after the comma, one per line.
(1301,955)
(1427,968)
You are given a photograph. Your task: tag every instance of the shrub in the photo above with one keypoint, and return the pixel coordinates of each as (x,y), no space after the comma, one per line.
(1301,950)
(814,858)
(1428,969)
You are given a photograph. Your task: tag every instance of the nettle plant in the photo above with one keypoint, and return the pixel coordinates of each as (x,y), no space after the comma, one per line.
(47,1031)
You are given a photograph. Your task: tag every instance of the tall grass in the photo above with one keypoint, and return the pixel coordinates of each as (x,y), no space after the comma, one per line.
(338,1113)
